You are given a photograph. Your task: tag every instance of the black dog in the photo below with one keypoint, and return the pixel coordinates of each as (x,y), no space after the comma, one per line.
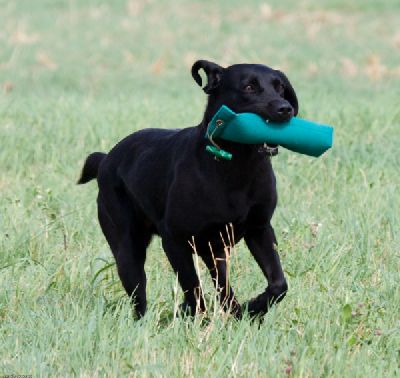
(163,182)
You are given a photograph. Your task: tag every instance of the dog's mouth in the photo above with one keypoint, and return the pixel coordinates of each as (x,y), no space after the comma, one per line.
(269,149)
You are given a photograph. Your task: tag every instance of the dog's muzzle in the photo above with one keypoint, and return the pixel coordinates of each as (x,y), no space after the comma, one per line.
(297,135)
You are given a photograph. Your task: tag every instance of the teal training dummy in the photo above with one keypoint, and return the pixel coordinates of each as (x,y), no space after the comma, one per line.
(298,135)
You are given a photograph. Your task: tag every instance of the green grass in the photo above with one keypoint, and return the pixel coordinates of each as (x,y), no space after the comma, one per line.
(76,76)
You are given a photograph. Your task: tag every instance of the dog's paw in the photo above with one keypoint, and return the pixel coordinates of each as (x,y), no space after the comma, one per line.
(234,308)
(185,309)
(190,309)
(260,305)
(257,306)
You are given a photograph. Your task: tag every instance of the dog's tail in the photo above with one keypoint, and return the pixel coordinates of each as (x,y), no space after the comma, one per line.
(91,167)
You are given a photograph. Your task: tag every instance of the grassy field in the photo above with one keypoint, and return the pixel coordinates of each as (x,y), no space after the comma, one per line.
(77,76)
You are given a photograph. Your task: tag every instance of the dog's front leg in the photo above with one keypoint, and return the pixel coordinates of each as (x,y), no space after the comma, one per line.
(217,265)
(262,245)
(181,260)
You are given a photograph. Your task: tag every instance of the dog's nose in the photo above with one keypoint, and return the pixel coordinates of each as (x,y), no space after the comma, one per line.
(279,110)
(284,110)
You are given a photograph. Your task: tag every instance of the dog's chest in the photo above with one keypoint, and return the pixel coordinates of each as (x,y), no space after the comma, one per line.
(201,205)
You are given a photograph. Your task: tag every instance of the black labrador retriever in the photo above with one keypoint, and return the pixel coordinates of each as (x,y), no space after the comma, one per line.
(163,182)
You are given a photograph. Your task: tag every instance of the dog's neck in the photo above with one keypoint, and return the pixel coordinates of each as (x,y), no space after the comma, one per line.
(248,153)
(212,107)
(245,156)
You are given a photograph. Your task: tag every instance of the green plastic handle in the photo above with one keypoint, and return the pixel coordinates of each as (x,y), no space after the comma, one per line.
(218,153)
(297,135)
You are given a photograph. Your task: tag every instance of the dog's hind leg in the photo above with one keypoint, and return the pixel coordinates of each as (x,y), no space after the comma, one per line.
(128,245)
(107,226)
(130,258)
(181,260)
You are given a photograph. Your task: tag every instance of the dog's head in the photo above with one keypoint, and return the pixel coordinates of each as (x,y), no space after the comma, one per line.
(252,88)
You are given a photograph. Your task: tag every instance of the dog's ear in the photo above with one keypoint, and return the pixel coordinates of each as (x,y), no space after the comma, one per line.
(213,72)
(289,94)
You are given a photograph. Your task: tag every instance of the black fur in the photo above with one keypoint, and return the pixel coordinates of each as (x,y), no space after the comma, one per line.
(91,167)
(163,182)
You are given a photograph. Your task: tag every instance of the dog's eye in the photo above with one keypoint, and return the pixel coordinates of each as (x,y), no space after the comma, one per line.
(249,88)
(279,87)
